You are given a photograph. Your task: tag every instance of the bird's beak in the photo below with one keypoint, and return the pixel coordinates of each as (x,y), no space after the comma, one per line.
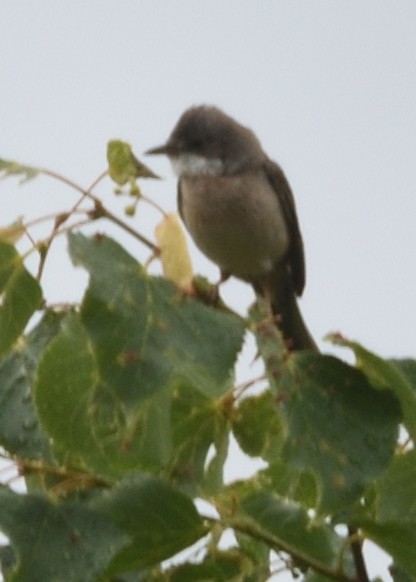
(163,149)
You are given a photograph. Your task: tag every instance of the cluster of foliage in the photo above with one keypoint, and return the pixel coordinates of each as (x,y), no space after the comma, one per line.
(118,414)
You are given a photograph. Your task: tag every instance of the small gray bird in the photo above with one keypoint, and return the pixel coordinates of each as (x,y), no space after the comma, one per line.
(239,209)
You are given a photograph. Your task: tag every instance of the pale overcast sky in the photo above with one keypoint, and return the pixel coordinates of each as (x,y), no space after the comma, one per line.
(329,86)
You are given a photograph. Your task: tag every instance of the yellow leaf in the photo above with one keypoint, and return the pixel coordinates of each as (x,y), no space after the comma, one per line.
(174,254)
(11,234)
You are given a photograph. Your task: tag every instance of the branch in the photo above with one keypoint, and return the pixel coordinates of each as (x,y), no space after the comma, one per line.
(357,553)
(250,528)
(69,479)
(100,210)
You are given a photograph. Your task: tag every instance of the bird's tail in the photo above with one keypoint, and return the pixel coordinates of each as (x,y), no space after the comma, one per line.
(279,291)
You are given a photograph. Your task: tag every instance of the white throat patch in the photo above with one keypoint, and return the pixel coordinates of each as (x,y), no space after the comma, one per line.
(193,165)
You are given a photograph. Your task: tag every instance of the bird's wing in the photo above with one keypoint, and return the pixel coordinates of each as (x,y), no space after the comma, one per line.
(179,199)
(296,257)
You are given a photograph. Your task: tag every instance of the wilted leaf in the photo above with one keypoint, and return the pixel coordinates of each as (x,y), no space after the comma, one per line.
(15,169)
(174,253)
(13,232)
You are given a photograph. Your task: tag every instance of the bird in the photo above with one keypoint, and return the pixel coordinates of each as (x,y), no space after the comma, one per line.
(239,209)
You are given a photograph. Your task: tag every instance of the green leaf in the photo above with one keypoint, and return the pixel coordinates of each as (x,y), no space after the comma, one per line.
(290,483)
(214,471)
(197,423)
(392,523)
(312,576)
(7,559)
(407,367)
(20,293)
(159,520)
(289,526)
(123,166)
(57,541)
(270,341)
(20,431)
(222,566)
(398,376)
(85,423)
(257,426)
(396,490)
(15,169)
(397,538)
(257,553)
(109,386)
(66,380)
(145,332)
(398,575)
(338,426)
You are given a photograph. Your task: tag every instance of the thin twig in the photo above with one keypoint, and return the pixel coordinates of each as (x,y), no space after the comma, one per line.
(97,180)
(46,218)
(63,179)
(100,210)
(152,203)
(45,246)
(241,388)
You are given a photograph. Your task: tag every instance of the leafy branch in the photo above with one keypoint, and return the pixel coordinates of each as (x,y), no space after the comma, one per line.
(118,413)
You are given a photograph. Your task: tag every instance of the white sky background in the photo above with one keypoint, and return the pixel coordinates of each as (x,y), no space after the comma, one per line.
(329,86)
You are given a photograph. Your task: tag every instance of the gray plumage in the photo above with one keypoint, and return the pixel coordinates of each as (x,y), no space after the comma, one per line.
(239,208)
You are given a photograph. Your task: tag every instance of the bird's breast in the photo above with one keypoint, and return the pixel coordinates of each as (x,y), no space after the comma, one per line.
(236,221)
